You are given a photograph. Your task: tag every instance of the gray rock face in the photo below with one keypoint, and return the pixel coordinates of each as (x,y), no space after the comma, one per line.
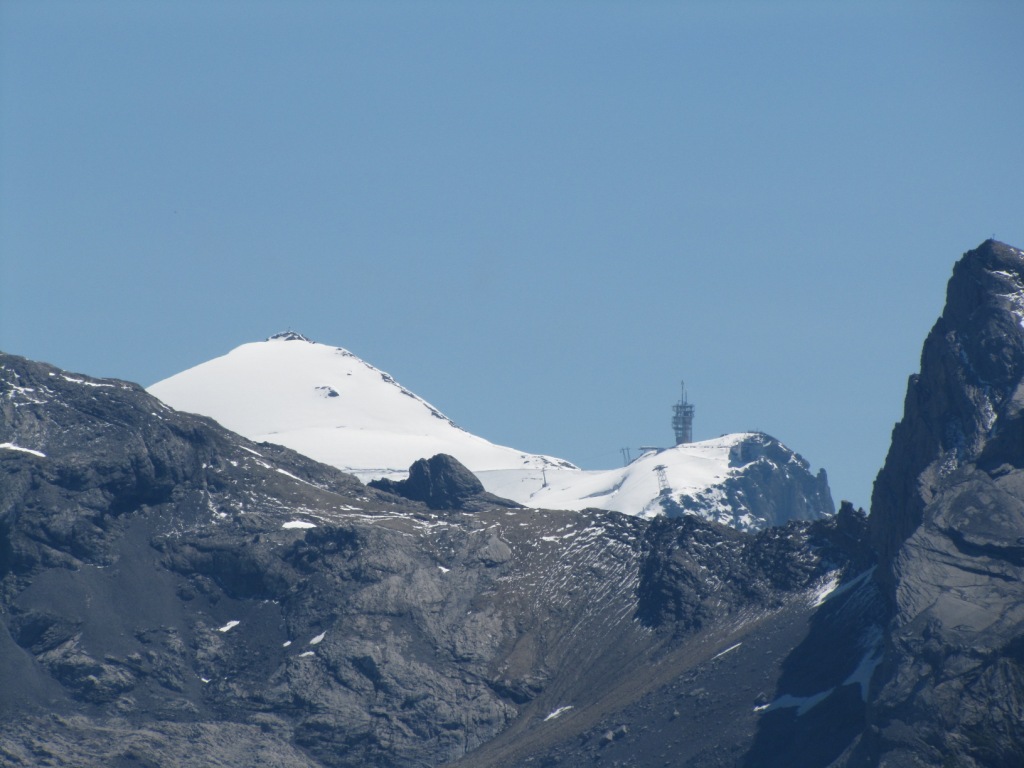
(172,592)
(948,518)
(965,398)
(440,482)
(774,485)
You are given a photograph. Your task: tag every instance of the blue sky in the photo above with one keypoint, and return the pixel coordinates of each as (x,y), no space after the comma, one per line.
(538,216)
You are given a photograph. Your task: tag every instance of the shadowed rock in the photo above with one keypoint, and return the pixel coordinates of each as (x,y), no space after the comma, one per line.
(440,482)
(947,518)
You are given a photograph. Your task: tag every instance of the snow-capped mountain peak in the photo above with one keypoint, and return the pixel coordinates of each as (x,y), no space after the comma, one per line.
(329,404)
(728,479)
(332,406)
(289,335)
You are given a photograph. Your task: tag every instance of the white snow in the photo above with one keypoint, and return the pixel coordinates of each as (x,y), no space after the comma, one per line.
(286,473)
(328,404)
(823,591)
(13,447)
(298,524)
(286,643)
(690,469)
(443,569)
(276,391)
(86,383)
(803,704)
(307,653)
(727,650)
(831,588)
(1016,296)
(557,713)
(872,658)
(318,639)
(229,626)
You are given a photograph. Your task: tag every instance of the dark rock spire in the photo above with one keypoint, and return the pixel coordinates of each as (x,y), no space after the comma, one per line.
(967,396)
(947,518)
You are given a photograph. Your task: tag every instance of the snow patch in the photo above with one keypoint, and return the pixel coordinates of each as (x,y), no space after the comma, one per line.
(823,591)
(318,639)
(86,383)
(727,650)
(289,474)
(13,447)
(839,589)
(229,626)
(803,704)
(298,524)
(866,669)
(557,713)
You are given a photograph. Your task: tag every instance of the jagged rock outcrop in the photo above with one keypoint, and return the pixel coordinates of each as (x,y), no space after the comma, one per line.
(948,518)
(964,399)
(440,482)
(771,485)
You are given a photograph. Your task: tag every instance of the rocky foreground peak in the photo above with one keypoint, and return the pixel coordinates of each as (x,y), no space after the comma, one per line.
(967,398)
(947,520)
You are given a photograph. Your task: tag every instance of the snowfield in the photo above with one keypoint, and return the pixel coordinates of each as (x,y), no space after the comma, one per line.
(692,469)
(330,405)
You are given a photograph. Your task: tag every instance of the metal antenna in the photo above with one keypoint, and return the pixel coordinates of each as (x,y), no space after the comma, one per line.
(682,418)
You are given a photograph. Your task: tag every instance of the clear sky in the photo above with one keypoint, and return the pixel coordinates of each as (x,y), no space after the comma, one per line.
(539,216)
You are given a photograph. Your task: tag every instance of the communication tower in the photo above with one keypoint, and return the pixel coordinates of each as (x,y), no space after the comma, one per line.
(682,419)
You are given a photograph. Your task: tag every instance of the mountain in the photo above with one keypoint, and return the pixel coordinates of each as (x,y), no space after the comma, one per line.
(749,481)
(328,404)
(172,593)
(948,521)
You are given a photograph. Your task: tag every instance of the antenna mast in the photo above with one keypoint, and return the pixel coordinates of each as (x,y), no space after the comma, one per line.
(682,419)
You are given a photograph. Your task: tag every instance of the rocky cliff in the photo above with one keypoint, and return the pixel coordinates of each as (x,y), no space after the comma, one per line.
(172,593)
(767,485)
(947,519)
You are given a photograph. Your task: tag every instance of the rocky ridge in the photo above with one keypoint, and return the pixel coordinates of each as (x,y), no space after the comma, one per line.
(193,594)
(947,519)
(173,593)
